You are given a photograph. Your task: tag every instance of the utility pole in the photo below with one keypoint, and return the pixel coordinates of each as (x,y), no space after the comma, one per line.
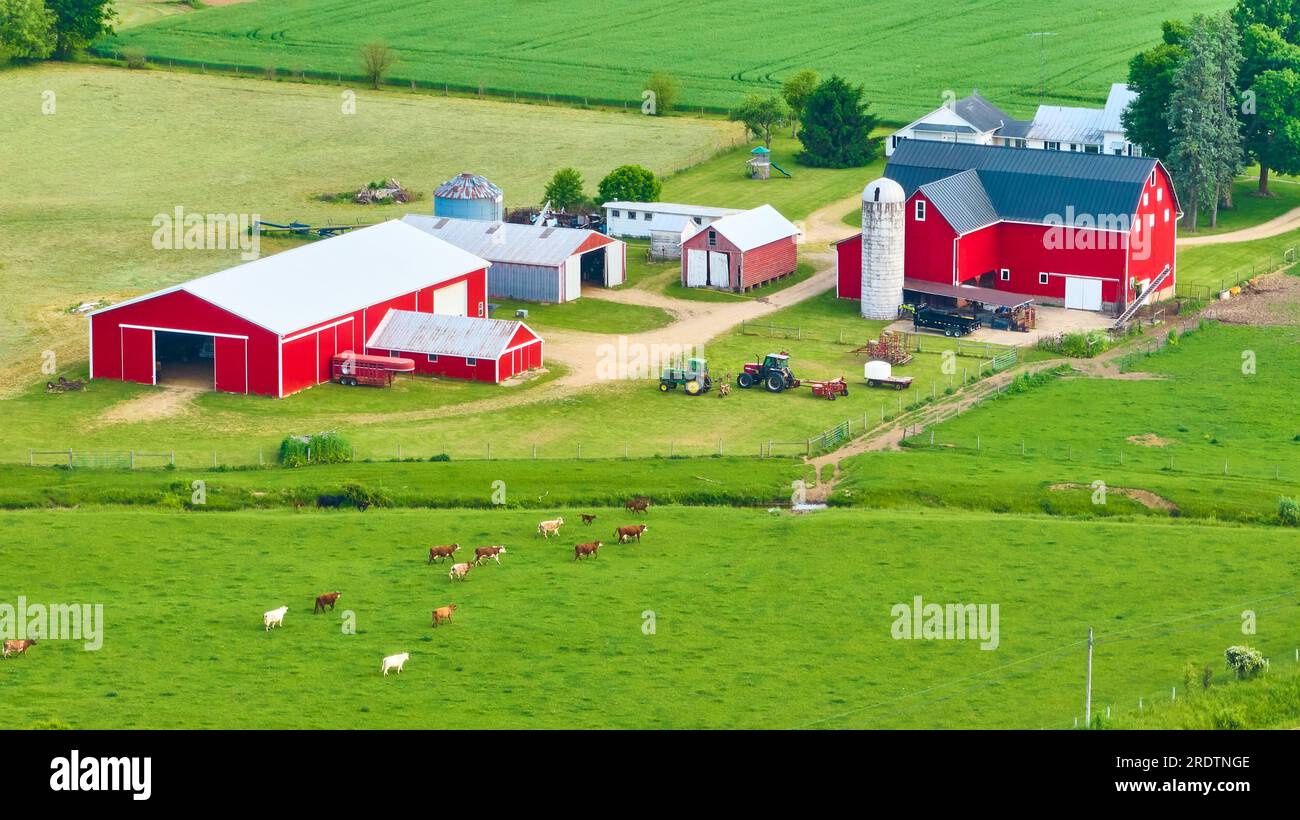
(1042,60)
(1087,706)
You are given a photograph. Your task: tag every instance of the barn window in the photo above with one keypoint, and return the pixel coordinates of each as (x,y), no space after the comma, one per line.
(1160,194)
(920,210)
(713,238)
(1042,278)
(1005,274)
(433,358)
(1152,180)
(1166,214)
(481,308)
(1151,220)
(1146,199)
(470,362)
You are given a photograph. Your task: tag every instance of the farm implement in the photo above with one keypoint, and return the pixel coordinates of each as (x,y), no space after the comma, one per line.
(773,373)
(880,374)
(693,378)
(830,389)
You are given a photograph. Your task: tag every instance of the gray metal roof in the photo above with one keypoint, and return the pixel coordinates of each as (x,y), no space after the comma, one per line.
(506,241)
(981,113)
(1119,98)
(1059,123)
(1029,185)
(410,332)
(943,128)
(962,201)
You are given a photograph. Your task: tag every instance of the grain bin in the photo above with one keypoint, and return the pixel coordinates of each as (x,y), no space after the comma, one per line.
(883,207)
(469,196)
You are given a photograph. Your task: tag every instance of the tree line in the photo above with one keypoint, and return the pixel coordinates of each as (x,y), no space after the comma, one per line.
(40,29)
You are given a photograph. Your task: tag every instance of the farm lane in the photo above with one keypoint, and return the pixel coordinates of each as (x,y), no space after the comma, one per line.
(1288,221)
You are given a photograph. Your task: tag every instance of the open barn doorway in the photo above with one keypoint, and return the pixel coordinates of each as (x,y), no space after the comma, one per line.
(185,359)
(593,267)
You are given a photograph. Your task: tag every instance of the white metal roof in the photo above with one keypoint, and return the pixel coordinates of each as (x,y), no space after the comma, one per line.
(672,208)
(316,282)
(409,332)
(1058,123)
(506,241)
(1118,99)
(757,226)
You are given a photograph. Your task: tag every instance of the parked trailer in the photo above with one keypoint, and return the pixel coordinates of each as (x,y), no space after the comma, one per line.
(952,324)
(353,369)
(880,374)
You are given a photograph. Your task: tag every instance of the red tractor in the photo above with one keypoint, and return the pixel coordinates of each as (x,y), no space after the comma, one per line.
(773,373)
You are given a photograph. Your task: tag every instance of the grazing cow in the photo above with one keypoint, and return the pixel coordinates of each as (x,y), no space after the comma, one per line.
(329,599)
(549,528)
(583,550)
(587,519)
(336,501)
(274,618)
(639,504)
(443,613)
(396,662)
(18,646)
(483,553)
(444,551)
(459,571)
(625,534)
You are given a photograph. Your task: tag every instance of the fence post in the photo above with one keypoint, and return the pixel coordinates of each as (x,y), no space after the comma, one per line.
(489,451)
(133,459)
(534,451)
(399,451)
(214,456)
(580,450)
(977,442)
(69,456)
(173,457)
(31,460)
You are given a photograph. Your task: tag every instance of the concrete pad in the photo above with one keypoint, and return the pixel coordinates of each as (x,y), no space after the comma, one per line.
(1050,320)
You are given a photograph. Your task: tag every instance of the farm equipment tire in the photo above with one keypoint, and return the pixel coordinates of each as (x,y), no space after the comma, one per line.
(664,387)
(872,383)
(694,388)
(898,386)
(775,383)
(947,331)
(745,381)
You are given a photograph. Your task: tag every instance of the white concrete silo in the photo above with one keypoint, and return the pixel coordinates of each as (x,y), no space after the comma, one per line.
(883,221)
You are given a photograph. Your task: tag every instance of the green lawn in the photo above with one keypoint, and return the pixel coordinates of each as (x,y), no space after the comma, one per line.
(1207,269)
(747,607)
(906,55)
(591,314)
(1248,208)
(76,227)
(1268,701)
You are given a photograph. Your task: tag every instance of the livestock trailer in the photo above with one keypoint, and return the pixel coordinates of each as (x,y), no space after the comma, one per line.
(377,371)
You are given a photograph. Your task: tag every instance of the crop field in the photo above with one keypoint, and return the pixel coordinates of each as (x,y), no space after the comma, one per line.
(906,56)
(75,228)
(743,608)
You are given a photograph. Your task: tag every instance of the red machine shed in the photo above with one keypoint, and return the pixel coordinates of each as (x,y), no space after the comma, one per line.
(484,350)
(741,251)
(271,326)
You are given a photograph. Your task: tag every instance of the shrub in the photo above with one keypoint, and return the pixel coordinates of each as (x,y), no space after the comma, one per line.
(1288,512)
(631,183)
(362,497)
(664,87)
(135,58)
(1229,717)
(320,448)
(1245,662)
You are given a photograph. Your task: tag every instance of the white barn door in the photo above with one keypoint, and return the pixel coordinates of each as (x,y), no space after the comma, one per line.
(452,300)
(719,270)
(613,265)
(697,263)
(1082,294)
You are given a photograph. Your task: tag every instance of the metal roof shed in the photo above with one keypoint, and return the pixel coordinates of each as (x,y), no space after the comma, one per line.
(458,347)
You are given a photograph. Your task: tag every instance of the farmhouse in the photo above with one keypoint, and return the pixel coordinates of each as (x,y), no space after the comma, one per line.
(459,347)
(741,251)
(535,263)
(1087,231)
(271,326)
(976,121)
(637,219)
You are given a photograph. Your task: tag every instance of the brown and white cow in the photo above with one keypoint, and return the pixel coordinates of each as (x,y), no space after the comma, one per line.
(459,571)
(626,534)
(639,504)
(551,527)
(583,550)
(483,553)
(328,599)
(444,551)
(443,613)
(587,519)
(19,647)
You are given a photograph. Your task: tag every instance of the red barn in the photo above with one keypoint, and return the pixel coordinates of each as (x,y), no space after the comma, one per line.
(272,325)
(1089,231)
(485,350)
(740,251)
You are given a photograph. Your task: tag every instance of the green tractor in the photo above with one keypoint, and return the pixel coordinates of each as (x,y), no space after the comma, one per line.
(693,378)
(772,373)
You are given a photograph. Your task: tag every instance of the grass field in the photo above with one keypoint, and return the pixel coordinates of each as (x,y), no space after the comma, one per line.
(592,314)
(748,607)
(74,227)
(905,57)
(1212,268)
(1269,701)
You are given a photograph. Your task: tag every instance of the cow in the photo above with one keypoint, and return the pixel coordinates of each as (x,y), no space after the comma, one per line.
(483,553)
(336,501)
(443,613)
(274,618)
(625,534)
(444,551)
(328,599)
(639,504)
(549,528)
(18,646)
(459,571)
(587,519)
(396,662)
(583,550)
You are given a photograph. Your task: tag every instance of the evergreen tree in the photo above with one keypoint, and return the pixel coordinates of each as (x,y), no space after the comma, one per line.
(836,127)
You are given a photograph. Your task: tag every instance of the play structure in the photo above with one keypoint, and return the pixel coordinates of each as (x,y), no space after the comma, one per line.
(354,369)
(892,347)
(693,378)
(880,374)
(760,164)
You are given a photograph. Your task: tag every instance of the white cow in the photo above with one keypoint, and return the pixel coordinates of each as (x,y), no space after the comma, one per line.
(459,571)
(274,618)
(549,528)
(396,662)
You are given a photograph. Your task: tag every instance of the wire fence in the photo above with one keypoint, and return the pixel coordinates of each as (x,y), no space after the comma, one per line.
(1285,259)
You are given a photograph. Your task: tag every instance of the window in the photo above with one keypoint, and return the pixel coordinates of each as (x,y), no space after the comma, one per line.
(920,210)
(481,310)
(1092,149)
(1042,278)
(631,214)
(1074,147)
(470,362)
(614,212)
(1005,274)
(1146,199)
(713,238)
(1018,143)
(1151,220)
(433,358)
(1166,214)
(1152,180)
(1160,194)
(648,216)
(697,220)
(1052,146)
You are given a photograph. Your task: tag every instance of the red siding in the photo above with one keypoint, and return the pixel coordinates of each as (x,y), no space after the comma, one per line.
(1023,249)
(1153,244)
(848,267)
(767,262)
(929,244)
(230,365)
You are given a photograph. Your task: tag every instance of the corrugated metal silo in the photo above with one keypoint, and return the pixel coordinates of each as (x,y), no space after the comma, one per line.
(469,196)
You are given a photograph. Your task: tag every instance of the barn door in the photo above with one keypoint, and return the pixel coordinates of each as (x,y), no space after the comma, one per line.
(719,270)
(1082,294)
(572,278)
(138,356)
(697,263)
(453,300)
(230,364)
(613,265)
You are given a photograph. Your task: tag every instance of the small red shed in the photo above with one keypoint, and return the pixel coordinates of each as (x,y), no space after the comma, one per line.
(272,326)
(483,350)
(741,251)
